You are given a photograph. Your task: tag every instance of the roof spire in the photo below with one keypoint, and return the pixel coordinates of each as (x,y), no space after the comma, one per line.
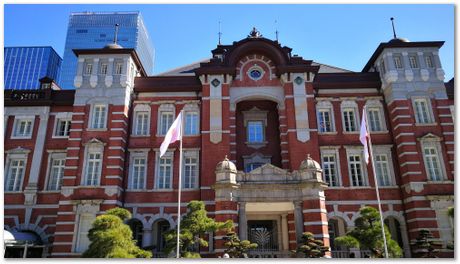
(220,33)
(116,34)
(276,30)
(393,25)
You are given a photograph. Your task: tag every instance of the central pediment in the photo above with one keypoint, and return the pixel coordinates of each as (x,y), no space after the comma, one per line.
(267,173)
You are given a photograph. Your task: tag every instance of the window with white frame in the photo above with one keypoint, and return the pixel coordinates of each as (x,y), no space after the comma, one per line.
(375,115)
(142,123)
(93,168)
(330,169)
(15,174)
(192,122)
(325,117)
(429,61)
(413,62)
(254,161)
(62,127)
(433,160)
(191,171)
(56,172)
(138,172)
(349,120)
(422,111)
(118,68)
(255,121)
(166,114)
(164,171)
(103,70)
(23,127)
(84,225)
(382,170)
(356,168)
(88,69)
(99,116)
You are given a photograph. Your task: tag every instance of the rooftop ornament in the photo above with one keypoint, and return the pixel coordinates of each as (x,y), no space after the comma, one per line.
(254,33)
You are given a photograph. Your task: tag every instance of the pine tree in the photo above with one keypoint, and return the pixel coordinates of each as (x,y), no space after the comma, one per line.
(310,247)
(425,244)
(367,234)
(237,248)
(111,238)
(194,225)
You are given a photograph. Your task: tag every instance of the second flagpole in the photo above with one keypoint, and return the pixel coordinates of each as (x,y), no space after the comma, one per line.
(376,185)
(180,183)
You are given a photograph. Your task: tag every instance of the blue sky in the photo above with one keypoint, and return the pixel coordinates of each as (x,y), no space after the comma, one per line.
(339,35)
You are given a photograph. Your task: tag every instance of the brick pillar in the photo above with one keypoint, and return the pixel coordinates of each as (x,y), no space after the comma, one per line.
(315,219)
(225,210)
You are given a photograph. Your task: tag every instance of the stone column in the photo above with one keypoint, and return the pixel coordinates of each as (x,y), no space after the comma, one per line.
(298,219)
(242,223)
(78,80)
(94,73)
(284,232)
(109,75)
(147,237)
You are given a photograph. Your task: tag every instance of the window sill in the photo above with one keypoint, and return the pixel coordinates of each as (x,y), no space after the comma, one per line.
(327,133)
(96,129)
(60,137)
(379,132)
(257,145)
(194,135)
(140,136)
(440,182)
(25,137)
(426,124)
(50,191)
(350,132)
(13,192)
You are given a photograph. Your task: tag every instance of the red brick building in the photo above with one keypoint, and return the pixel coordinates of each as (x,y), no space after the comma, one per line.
(271,142)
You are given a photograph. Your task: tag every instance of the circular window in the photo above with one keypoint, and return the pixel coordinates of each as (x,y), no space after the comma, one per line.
(255,73)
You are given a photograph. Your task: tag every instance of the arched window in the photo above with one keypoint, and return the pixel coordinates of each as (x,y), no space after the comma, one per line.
(395,229)
(137,229)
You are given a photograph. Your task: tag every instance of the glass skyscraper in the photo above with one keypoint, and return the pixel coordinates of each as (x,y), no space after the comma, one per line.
(24,66)
(94,30)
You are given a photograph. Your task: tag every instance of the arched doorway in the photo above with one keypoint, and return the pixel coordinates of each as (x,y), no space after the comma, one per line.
(137,229)
(395,229)
(159,228)
(23,244)
(337,227)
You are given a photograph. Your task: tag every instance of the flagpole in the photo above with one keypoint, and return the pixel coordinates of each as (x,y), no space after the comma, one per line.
(376,185)
(180,184)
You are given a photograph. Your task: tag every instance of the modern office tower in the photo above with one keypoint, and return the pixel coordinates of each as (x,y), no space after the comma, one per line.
(90,30)
(24,66)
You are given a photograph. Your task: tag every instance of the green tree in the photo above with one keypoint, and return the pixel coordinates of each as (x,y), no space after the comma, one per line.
(310,247)
(425,244)
(111,238)
(237,248)
(367,234)
(194,225)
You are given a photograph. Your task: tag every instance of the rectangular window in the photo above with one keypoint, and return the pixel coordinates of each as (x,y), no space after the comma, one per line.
(118,68)
(166,120)
(23,128)
(429,62)
(330,170)
(190,173)
(56,174)
(142,123)
(99,115)
(433,165)
(398,63)
(349,120)
(325,124)
(88,69)
(422,115)
(93,168)
(413,62)
(62,128)
(356,172)
(84,225)
(382,170)
(138,173)
(374,120)
(15,175)
(103,69)
(255,131)
(164,173)
(191,123)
